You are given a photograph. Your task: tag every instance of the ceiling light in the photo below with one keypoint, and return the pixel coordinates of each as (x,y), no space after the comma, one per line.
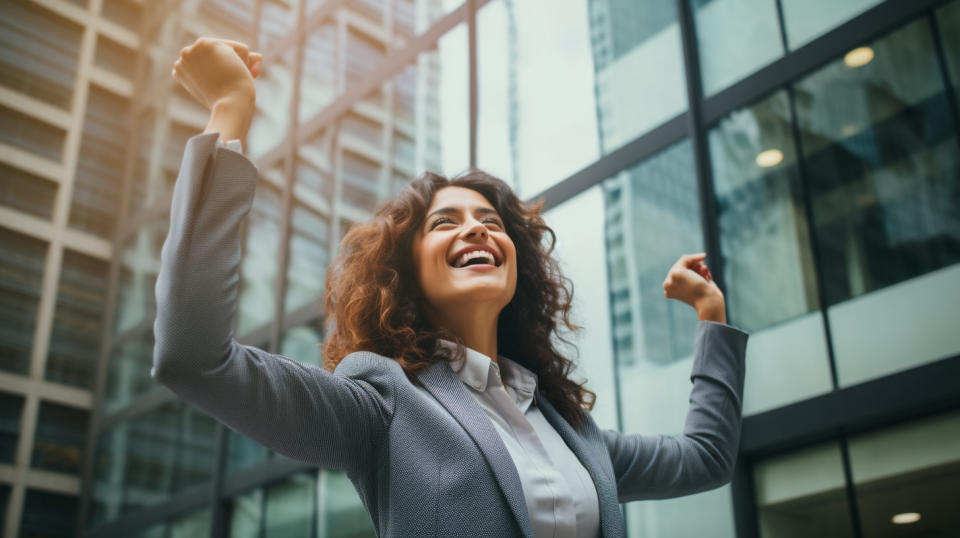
(906,517)
(858,57)
(770,157)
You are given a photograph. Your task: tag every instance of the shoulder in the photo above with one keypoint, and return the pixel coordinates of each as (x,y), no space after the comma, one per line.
(373,368)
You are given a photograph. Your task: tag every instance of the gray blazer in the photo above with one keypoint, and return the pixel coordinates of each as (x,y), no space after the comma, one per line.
(423,466)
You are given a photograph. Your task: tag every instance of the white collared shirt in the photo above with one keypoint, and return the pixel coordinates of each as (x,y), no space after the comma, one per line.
(560,496)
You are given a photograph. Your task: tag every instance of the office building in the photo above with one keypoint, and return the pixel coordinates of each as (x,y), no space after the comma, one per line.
(810,147)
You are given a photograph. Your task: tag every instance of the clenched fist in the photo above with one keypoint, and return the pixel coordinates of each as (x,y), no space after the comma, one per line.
(690,281)
(215,69)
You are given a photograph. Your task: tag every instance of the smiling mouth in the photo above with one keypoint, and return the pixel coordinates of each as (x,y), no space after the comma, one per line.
(475,257)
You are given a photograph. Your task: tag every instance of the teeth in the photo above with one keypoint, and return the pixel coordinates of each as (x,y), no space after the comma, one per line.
(464,258)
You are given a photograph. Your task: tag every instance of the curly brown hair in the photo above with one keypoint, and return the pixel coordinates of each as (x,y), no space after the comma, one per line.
(373,301)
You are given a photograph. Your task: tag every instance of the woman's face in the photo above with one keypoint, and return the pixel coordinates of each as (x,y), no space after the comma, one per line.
(462,254)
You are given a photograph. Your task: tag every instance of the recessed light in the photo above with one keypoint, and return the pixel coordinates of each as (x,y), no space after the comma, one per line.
(858,57)
(906,517)
(770,157)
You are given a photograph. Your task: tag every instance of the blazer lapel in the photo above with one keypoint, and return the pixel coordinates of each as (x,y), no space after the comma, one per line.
(611,520)
(447,388)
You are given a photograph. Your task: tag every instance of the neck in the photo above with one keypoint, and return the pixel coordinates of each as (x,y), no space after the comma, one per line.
(477,327)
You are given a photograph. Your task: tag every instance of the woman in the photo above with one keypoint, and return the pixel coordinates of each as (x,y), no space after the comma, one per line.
(448,406)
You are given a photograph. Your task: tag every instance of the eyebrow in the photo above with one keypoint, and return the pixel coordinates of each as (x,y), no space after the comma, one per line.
(454,211)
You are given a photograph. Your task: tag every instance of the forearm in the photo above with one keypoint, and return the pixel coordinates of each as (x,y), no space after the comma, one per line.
(197,284)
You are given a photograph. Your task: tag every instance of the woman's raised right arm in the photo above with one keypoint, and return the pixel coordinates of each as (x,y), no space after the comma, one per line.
(299,410)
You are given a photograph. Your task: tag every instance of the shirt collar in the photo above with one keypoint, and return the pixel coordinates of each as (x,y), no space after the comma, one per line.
(477,371)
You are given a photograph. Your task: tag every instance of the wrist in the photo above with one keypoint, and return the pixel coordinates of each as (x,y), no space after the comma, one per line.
(712,308)
(231,117)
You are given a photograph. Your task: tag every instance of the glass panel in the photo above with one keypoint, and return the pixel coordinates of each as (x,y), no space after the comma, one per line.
(147,185)
(290,506)
(808,19)
(115,58)
(309,257)
(537,119)
(243,452)
(30,134)
(342,514)
(319,83)
(99,177)
(259,267)
(803,494)
(197,448)
(10,408)
(123,12)
(38,52)
(271,120)
(26,192)
(61,434)
(303,344)
(766,247)
(580,243)
(631,40)
(232,19)
(912,468)
(735,38)
(245,515)
(4,497)
(129,372)
(154,531)
(278,20)
(364,54)
(193,525)
(21,270)
(948,21)
(313,176)
(48,515)
(883,162)
(360,177)
(77,321)
(139,263)
(652,217)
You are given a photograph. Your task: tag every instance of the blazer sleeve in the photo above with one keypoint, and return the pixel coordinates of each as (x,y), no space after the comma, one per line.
(704,455)
(299,410)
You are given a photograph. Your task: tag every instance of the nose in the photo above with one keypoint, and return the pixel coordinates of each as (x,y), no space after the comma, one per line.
(475,230)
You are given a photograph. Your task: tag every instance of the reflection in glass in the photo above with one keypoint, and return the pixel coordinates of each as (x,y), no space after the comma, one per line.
(259,266)
(193,524)
(48,515)
(21,269)
(75,338)
(246,512)
(805,20)
(290,505)
(303,344)
(139,263)
(272,117)
(802,493)
(653,217)
(243,452)
(948,21)
(319,83)
(913,467)
(537,120)
(639,67)
(128,374)
(60,436)
(10,408)
(763,228)
(883,166)
(343,515)
(735,38)
(309,257)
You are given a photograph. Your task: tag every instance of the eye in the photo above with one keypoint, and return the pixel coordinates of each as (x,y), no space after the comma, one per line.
(441,220)
(493,221)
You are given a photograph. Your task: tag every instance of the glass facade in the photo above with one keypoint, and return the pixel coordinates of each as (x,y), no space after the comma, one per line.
(810,147)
